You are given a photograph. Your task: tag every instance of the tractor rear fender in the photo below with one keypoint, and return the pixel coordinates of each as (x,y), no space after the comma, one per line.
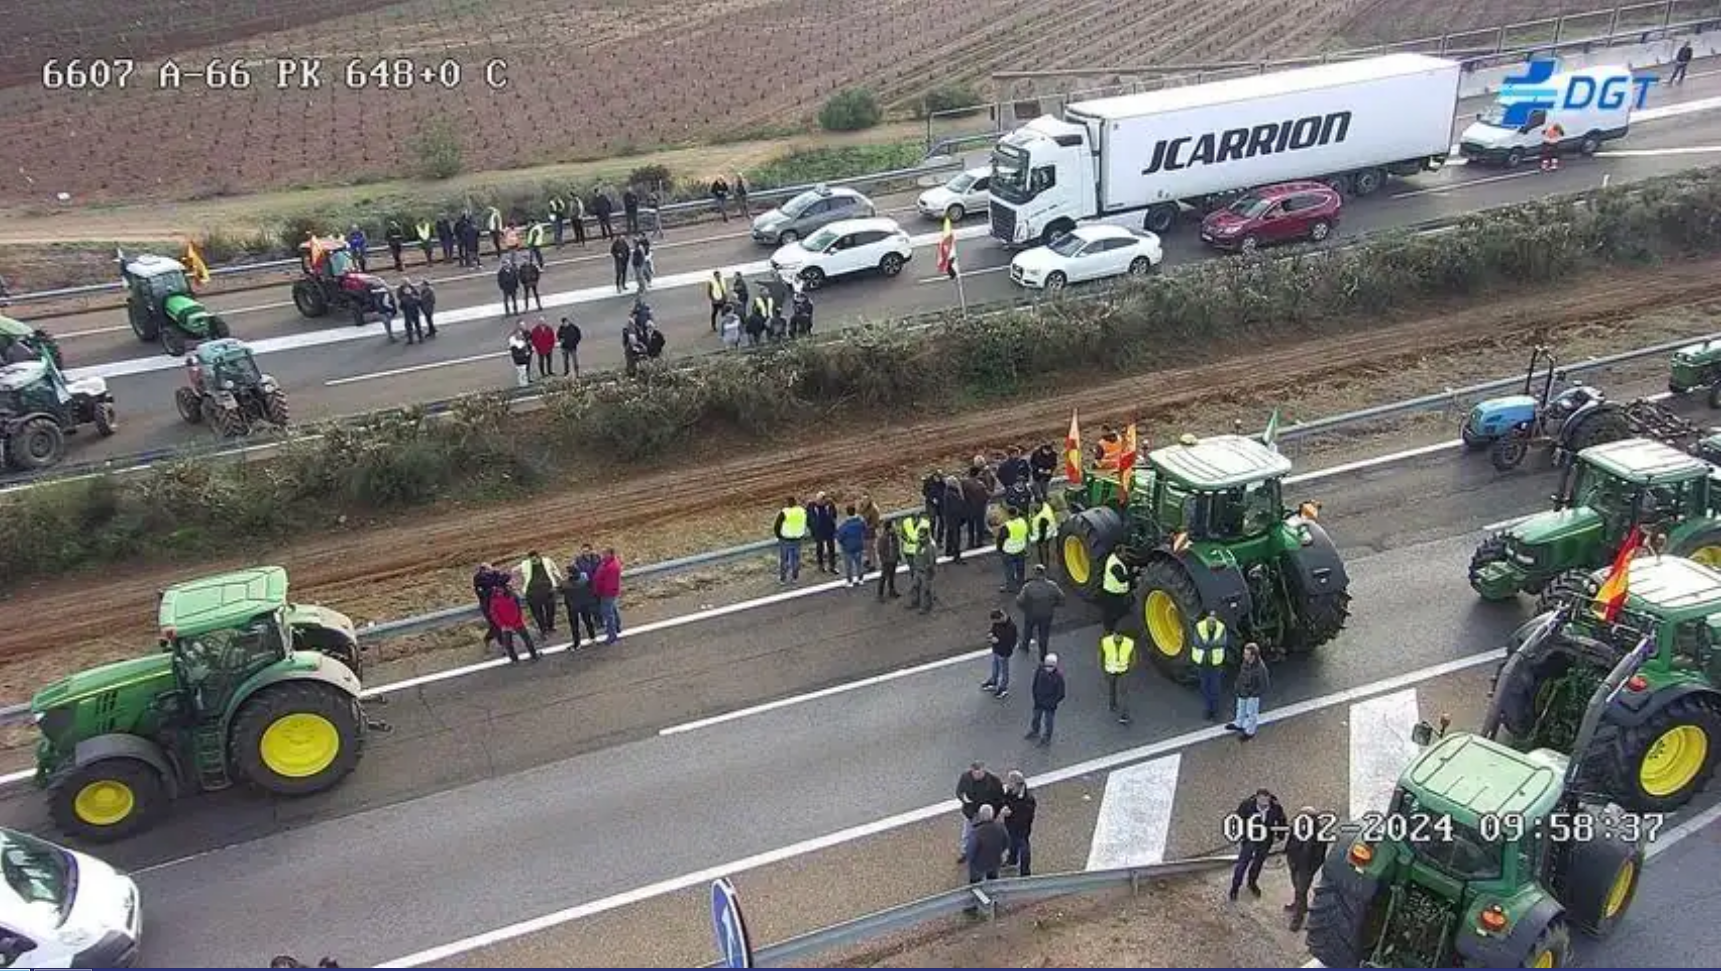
(305,666)
(1534,908)
(1338,873)
(120,746)
(1633,708)
(1222,588)
(1317,564)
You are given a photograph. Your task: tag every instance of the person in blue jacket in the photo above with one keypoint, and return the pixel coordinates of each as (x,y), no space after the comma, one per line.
(851,542)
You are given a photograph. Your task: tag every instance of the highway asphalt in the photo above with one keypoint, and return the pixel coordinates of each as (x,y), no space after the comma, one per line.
(331,368)
(515,792)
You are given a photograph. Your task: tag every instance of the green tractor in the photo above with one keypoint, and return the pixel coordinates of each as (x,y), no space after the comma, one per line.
(1659,740)
(160,307)
(246,687)
(224,390)
(1486,857)
(1604,493)
(1205,527)
(1697,366)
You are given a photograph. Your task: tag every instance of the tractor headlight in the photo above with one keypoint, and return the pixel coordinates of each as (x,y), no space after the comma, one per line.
(227,385)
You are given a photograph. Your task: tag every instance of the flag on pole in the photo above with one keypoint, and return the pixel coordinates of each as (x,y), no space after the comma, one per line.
(1270,437)
(317,251)
(1073,453)
(1126,462)
(947,251)
(1610,599)
(194,260)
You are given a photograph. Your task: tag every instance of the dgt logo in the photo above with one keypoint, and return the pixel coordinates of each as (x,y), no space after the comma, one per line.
(1529,92)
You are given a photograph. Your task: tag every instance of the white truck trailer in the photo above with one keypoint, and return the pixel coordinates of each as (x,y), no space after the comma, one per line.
(1350,124)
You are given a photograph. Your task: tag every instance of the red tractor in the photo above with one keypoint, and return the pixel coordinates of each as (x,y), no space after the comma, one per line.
(333,281)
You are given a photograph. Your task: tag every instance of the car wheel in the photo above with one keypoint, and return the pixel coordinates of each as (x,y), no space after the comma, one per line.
(955,213)
(812,278)
(891,264)
(1248,244)
(787,236)
(1140,266)
(1056,281)
(1514,157)
(1320,231)
(1590,145)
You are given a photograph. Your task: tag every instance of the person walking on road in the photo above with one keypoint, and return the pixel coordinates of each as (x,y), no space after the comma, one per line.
(1042,465)
(535,243)
(630,209)
(558,218)
(469,236)
(822,517)
(790,530)
(484,580)
(851,543)
(643,270)
(975,789)
(520,352)
(1039,599)
(540,578)
(620,254)
(1117,652)
(718,295)
(1305,851)
(1252,682)
(581,602)
(720,197)
(602,209)
(411,303)
(1018,814)
(606,583)
(922,565)
(1048,693)
(1681,64)
(508,281)
(359,246)
(544,347)
(1002,638)
(1042,529)
(1259,821)
(568,336)
(505,611)
(530,274)
(1207,655)
(887,547)
(427,305)
(1013,549)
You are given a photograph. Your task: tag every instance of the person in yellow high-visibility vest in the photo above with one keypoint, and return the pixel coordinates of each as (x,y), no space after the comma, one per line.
(1013,547)
(1042,530)
(426,239)
(718,295)
(1208,656)
(558,216)
(493,225)
(1117,652)
(1115,582)
(791,529)
(535,242)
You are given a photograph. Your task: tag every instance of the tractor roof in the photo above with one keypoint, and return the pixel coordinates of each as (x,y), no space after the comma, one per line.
(327,244)
(1219,462)
(1670,587)
(17,377)
(224,601)
(14,328)
(1467,776)
(1641,461)
(221,349)
(1699,351)
(150,264)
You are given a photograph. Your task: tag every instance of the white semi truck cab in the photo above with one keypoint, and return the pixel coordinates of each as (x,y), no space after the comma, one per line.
(1042,175)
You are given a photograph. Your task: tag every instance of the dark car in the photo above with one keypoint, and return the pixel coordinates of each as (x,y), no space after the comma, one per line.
(1285,213)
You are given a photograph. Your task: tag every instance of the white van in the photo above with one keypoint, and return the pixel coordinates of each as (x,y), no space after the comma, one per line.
(1490,140)
(63,909)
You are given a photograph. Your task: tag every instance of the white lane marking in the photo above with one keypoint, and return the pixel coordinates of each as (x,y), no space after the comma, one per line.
(1135,815)
(965,273)
(1641,152)
(1104,763)
(413,369)
(567,298)
(1690,827)
(1467,183)
(1380,748)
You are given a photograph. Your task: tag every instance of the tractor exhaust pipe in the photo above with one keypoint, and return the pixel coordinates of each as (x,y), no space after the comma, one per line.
(1527,654)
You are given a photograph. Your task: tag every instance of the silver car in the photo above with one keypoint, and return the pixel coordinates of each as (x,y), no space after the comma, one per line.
(809,211)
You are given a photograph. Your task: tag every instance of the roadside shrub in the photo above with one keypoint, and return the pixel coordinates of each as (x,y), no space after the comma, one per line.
(652,177)
(851,109)
(406,458)
(435,152)
(804,166)
(955,100)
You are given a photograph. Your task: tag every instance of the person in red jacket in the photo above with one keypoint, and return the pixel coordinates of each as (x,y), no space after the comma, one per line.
(505,613)
(606,583)
(543,344)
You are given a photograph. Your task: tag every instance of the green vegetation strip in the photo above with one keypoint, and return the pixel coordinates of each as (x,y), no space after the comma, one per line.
(482,450)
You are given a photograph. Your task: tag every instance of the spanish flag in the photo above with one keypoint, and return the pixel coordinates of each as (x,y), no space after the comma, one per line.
(194,260)
(1610,599)
(1073,453)
(1126,462)
(947,251)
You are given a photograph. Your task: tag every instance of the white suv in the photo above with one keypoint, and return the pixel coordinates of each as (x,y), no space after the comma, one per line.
(842,248)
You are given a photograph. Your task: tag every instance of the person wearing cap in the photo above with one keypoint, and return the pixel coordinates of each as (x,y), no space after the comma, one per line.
(1018,816)
(1048,694)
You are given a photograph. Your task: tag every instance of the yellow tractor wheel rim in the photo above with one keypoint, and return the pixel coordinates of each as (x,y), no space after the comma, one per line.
(1544,959)
(1709,556)
(1620,892)
(1076,562)
(1164,622)
(300,745)
(1673,760)
(104,802)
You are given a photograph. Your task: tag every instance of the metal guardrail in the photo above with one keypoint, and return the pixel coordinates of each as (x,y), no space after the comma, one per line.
(986,899)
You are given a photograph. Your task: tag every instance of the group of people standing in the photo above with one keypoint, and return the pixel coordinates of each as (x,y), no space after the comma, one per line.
(778,311)
(590,589)
(416,300)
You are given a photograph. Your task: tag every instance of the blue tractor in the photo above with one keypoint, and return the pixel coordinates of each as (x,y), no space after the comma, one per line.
(1568,422)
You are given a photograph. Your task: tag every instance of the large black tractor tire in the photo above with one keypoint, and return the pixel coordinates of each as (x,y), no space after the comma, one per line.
(1084,541)
(1659,765)
(144,325)
(105,417)
(310,299)
(297,738)
(35,445)
(1491,550)
(1553,948)
(218,328)
(1703,546)
(1575,582)
(275,408)
(189,404)
(1167,605)
(224,422)
(1605,424)
(1509,450)
(332,643)
(1599,883)
(1337,923)
(173,340)
(1714,398)
(1320,615)
(107,800)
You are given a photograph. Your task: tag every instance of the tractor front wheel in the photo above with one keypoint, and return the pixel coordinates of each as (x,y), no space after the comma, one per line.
(218,328)
(1553,949)
(1600,883)
(297,738)
(1562,587)
(1168,604)
(173,339)
(1337,924)
(105,418)
(1659,765)
(107,800)
(1491,551)
(275,408)
(1084,541)
(1508,452)
(190,405)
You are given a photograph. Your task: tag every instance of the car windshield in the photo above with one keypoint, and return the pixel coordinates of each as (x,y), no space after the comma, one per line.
(1495,115)
(39,876)
(799,204)
(962,183)
(1249,206)
(820,241)
(1067,245)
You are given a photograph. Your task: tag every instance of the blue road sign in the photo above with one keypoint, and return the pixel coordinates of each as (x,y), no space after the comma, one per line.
(734,947)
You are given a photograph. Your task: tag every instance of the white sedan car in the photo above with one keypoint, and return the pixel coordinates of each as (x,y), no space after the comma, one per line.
(63,909)
(843,248)
(1087,253)
(968,192)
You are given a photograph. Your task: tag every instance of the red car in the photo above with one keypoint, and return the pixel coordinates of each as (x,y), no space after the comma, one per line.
(1285,213)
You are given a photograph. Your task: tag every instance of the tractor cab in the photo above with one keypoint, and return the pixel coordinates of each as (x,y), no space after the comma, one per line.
(151,279)
(1224,488)
(327,258)
(247,614)
(222,365)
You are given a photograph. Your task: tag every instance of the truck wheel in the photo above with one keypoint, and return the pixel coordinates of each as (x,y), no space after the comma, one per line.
(1366,182)
(107,800)
(1490,551)
(1084,541)
(1590,145)
(297,738)
(1553,949)
(310,299)
(1514,158)
(1056,229)
(190,405)
(275,408)
(1659,765)
(1168,603)
(37,444)
(1599,884)
(1160,218)
(1338,183)
(1336,925)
